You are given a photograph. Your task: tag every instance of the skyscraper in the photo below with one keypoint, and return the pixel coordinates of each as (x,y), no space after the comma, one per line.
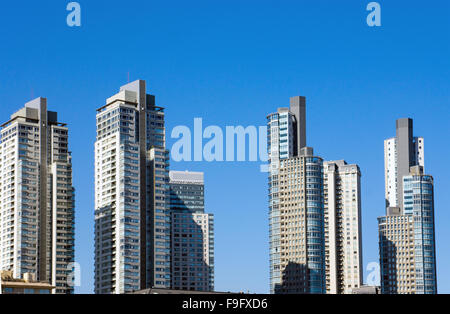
(406,233)
(192,233)
(132,220)
(401,153)
(314,212)
(296,209)
(37,197)
(343,234)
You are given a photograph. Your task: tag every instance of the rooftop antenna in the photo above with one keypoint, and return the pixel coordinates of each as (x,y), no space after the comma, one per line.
(128,76)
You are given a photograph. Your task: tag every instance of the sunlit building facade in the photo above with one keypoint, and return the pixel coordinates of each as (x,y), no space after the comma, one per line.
(296,207)
(37,231)
(132,220)
(343,231)
(407,231)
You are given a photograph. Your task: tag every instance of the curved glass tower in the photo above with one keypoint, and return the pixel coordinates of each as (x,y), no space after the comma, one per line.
(296,207)
(406,232)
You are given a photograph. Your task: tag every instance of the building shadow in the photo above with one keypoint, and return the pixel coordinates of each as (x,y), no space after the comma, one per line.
(295,280)
(192,235)
(388,261)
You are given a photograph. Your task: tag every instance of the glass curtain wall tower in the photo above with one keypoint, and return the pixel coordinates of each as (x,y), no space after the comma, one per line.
(314,212)
(296,208)
(406,232)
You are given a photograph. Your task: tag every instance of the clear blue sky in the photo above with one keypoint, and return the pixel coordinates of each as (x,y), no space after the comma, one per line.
(233,62)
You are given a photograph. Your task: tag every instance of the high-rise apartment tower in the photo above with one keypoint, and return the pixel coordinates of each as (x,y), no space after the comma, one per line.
(37,217)
(314,212)
(192,233)
(132,220)
(343,234)
(406,233)
(296,208)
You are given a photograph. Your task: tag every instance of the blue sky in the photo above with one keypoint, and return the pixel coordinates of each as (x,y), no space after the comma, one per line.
(231,63)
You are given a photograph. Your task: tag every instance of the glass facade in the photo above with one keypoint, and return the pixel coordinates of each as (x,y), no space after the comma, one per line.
(192,234)
(315,224)
(406,233)
(418,202)
(407,241)
(296,211)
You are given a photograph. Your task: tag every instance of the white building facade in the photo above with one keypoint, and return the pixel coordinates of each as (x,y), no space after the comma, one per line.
(37,231)
(132,221)
(343,231)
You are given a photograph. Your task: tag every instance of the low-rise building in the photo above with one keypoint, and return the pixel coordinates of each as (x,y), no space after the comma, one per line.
(27,285)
